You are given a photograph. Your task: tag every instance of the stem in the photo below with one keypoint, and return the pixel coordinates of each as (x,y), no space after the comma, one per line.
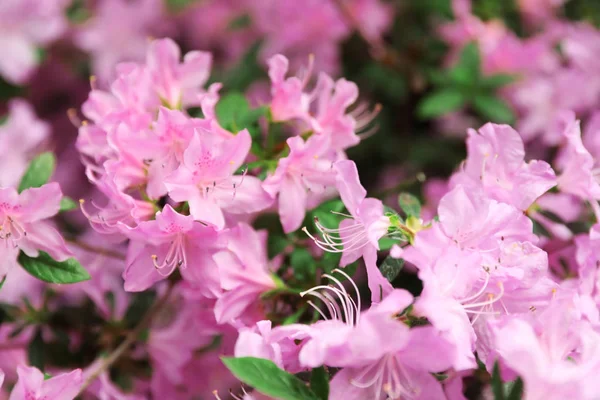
(98,250)
(419,177)
(130,339)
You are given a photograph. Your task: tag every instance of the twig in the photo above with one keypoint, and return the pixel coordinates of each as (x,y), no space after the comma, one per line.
(99,250)
(419,177)
(131,338)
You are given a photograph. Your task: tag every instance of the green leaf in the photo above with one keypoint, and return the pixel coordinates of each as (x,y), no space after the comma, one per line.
(514,389)
(469,64)
(440,103)
(386,243)
(497,81)
(49,270)
(493,108)
(303,264)
(39,171)
(35,351)
(231,108)
(178,5)
(391,267)
(67,204)
(268,379)
(319,382)
(2,282)
(409,204)
(497,385)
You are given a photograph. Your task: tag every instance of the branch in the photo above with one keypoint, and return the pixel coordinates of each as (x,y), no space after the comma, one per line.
(99,250)
(130,339)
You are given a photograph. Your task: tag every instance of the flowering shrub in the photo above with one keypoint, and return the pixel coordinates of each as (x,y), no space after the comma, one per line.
(336,199)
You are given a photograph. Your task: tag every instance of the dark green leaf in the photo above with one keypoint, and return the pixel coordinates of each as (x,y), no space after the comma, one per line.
(67,204)
(268,379)
(276,244)
(470,61)
(551,216)
(178,5)
(138,307)
(39,171)
(440,103)
(493,109)
(303,264)
(391,267)
(409,204)
(49,270)
(241,22)
(319,382)
(230,110)
(2,282)
(497,81)
(497,385)
(540,230)
(35,351)
(386,243)
(514,389)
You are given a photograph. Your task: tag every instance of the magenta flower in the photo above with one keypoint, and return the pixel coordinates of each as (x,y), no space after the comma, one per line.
(245,273)
(23,226)
(31,385)
(359,235)
(169,242)
(495,162)
(207,182)
(302,179)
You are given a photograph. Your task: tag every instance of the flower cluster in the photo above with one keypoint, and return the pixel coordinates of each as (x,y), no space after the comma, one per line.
(231,238)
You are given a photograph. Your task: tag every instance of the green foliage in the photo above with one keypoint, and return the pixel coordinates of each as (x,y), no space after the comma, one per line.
(39,171)
(319,382)
(409,204)
(441,102)
(492,108)
(505,391)
(303,264)
(178,5)
(234,114)
(67,204)
(268,379)
(391,267)
(465,85)
(49,270)
(35,351)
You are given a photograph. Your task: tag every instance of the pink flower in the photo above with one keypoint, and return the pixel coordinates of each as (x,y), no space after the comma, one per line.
(31,385)
(244,273)
(207,182)
(375,367)
(23,226)
(20,138)
(495,162)
(277,344)
(324,109)
(302,179)
(577,165)
(177,83)
(119,32)
(169,242)
(359,235)
(25,26)
(312,27)
(557,354)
